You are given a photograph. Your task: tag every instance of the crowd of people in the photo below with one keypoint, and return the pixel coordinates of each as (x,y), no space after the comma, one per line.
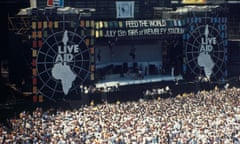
(206,117)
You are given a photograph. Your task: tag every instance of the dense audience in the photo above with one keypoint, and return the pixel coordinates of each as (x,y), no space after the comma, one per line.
(201,118)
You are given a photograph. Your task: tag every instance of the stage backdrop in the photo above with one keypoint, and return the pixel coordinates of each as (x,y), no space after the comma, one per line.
(62,55)
(205,42)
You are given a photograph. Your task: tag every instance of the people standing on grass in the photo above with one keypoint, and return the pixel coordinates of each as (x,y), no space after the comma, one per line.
(205,117)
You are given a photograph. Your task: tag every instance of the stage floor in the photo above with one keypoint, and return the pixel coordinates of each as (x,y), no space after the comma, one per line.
(116,80)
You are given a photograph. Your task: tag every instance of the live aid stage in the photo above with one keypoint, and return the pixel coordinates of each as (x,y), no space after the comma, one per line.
(128,68)
(134,86)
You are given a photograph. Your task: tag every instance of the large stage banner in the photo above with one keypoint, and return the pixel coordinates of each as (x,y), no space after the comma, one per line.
(156,28)
(205,42)
(62,55)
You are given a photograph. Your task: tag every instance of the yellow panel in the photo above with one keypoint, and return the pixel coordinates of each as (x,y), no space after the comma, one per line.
(92,76)
(34,53)
(56,24)
(45,24)
(105,24)
(87,23)
(97,34)
(92,33)
(92,68)
(92,23)
(100,24)
(97,25)
(101,33)
(33,25)
(120,24)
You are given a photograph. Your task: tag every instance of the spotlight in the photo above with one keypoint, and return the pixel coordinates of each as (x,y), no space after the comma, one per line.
(86,91)
(81,86)
(167,88)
